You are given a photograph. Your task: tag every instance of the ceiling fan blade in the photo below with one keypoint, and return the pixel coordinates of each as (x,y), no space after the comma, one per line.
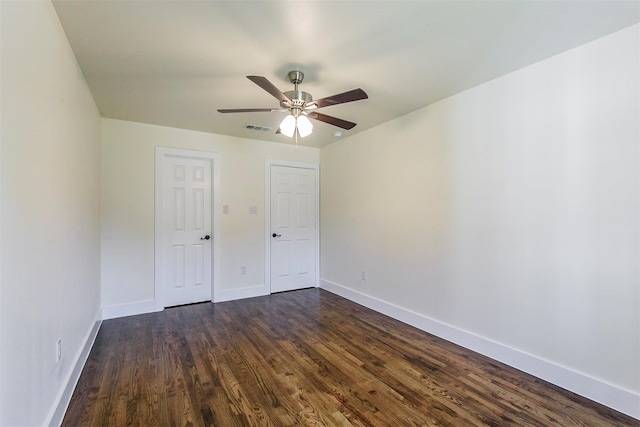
(269,87)
(247,110)
(341,98)
(344,124)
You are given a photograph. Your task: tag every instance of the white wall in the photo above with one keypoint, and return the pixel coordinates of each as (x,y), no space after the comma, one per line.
(507,215)
(50,201)
(128,155)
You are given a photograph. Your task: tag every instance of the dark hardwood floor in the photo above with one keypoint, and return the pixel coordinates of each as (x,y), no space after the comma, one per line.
(306,358)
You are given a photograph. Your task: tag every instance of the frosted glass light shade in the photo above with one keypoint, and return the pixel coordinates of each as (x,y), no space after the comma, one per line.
(288,126)
(304,126)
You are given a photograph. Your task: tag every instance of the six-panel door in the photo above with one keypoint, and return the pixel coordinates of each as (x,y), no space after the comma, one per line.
(293,222)
(187,223)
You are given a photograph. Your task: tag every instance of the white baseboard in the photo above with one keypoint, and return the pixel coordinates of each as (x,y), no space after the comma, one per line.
(56,417)
(131,309)
(609,395)
(152,306)
(242,293)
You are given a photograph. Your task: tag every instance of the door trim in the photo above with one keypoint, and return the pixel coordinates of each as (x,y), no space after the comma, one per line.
(267,215)
(161,154)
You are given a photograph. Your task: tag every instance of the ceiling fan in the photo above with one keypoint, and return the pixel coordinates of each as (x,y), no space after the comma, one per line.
(301,106)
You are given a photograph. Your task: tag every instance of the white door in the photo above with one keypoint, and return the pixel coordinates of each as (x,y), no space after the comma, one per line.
(187,237)
(293,228)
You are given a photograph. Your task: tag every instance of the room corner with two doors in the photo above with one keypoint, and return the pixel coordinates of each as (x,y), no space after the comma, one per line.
(185,231)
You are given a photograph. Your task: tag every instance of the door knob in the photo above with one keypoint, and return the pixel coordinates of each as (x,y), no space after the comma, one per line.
(207,237)
(276,235)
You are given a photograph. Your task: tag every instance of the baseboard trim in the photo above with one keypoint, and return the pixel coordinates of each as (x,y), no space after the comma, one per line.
(131,309)
(56,417)
(242,293)
(609,395)
(152,306)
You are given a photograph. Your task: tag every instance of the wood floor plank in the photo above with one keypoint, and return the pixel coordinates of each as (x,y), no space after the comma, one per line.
(305,358)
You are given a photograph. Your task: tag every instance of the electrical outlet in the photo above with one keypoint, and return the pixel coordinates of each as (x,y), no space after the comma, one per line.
(243,269)
(364,275)
(58,350)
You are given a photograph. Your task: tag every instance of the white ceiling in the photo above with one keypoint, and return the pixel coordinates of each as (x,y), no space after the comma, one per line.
(174,63)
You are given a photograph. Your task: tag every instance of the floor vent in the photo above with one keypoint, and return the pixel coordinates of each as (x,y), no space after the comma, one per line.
(258,128)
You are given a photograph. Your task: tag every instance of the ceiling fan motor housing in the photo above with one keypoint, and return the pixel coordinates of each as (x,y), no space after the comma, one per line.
(298,98)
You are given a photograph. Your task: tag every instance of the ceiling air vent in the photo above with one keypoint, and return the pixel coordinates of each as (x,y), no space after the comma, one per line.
(258,128)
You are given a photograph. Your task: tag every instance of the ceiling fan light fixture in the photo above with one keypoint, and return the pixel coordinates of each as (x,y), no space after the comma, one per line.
(288,126)
(304,126)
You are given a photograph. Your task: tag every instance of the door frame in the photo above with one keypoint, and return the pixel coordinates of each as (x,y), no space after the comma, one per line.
(161,154)
(267,215)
